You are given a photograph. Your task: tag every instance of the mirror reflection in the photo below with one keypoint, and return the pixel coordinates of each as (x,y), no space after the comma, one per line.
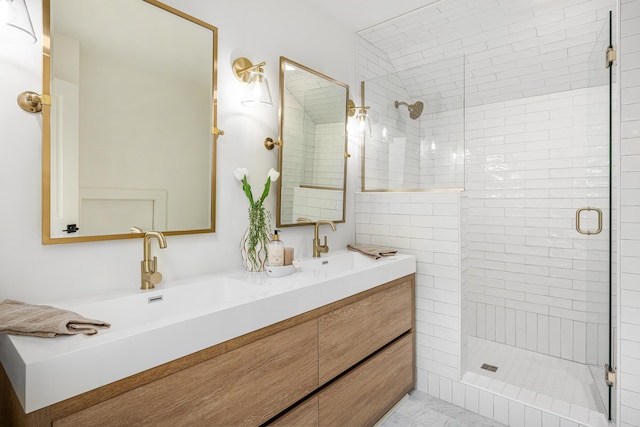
(128,138)
(313,119)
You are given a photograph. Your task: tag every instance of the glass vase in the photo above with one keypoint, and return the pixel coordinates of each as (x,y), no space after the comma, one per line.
(253,246)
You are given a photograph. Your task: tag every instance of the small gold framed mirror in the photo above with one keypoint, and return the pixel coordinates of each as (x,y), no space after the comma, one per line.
(313,151)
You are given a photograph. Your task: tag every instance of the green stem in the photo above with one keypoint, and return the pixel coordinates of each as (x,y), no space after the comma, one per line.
(259,230)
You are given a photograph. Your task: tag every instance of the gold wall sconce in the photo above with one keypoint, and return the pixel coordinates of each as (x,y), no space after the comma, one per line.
(362,117)
(32,102)
(257,93)
(15,22)
(269,143)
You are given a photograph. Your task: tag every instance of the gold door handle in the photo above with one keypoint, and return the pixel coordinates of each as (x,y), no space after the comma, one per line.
(588,232)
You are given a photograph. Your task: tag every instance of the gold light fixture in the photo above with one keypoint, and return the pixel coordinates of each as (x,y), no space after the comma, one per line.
(362,117)
(15,23)
(257,93)
(32,102)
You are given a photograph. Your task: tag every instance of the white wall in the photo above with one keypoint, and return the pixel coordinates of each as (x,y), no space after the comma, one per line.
(35,273)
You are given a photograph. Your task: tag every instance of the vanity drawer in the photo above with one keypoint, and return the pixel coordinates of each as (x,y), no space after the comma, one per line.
(304,414)
(246,386)
(349,334)
(362,396)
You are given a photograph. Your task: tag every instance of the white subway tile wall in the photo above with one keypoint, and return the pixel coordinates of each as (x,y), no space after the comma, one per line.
(536,45)
(515,49)
(629,368)
(525,260)
(410,150)
(424,225)
(427,225)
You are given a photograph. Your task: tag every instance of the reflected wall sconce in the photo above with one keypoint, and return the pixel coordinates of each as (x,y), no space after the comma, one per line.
(15,23)
(32,102)
(362,117)
(257,93)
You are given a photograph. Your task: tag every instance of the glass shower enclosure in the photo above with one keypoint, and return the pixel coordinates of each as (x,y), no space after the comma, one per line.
(534,170)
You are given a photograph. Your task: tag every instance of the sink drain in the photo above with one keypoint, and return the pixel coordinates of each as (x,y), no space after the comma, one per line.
(488,367)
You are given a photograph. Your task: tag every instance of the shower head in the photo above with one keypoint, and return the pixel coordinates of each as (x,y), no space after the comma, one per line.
(414,109)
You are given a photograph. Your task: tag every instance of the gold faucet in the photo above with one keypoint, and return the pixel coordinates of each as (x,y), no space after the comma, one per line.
(317,247)
(148,267)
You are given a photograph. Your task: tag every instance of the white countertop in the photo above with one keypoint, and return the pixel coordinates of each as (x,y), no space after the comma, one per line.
(194,314)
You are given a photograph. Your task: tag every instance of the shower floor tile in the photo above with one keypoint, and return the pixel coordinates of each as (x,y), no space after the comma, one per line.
(550,383)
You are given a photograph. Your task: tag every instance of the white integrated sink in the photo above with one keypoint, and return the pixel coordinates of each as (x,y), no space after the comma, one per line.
(168,303)
(149,328)
(340,263)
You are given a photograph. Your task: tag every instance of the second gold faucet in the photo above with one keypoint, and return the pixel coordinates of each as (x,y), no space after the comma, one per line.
(317,247)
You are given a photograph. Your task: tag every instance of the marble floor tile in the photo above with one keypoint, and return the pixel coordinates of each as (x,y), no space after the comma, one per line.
(423,410)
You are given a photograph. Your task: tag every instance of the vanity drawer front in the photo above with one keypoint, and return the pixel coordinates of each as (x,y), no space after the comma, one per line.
(304,414)
(351,333)
(362,396)
(246,386)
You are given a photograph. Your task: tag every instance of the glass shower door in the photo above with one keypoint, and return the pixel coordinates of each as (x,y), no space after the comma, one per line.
(594,219)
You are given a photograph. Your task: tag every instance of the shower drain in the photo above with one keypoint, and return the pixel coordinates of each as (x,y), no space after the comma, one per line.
(489,367)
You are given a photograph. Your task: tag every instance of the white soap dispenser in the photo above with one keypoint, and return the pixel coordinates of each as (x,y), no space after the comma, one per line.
(275,251)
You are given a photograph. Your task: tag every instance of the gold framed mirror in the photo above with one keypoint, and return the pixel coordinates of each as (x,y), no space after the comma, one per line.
(313,152)
(130,136)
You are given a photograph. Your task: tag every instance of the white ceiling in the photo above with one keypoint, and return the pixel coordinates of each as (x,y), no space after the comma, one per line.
(360,14)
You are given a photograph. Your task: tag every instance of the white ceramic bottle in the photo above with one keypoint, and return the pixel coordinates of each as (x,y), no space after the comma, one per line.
(275,251)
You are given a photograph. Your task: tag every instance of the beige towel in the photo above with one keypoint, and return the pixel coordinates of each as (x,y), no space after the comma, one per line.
(372,251)
(18,318)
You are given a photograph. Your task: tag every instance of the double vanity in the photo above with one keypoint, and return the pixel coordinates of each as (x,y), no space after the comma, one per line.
(331,344)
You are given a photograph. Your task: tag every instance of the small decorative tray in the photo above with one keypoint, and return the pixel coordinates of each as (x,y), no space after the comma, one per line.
(280,271)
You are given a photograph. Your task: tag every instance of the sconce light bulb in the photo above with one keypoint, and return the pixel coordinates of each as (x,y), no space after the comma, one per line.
(257,93)
(7,12)
(364,125)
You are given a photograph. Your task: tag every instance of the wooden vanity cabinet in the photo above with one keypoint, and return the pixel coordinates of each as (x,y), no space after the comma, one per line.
(366,360)
(349,334)
(363,395)
(346,363)
(246,386)
(306,414)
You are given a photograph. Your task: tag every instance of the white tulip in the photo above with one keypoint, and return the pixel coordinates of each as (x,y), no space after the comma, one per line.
(240,173)
(273,174)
